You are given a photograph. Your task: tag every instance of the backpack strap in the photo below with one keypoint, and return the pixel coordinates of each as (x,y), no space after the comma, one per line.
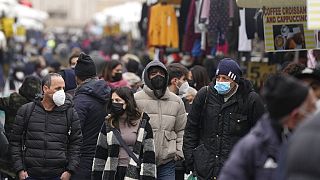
(204,107)
(27,114)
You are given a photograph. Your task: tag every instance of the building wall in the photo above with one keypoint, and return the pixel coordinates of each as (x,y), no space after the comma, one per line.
(68,13)
(72,13)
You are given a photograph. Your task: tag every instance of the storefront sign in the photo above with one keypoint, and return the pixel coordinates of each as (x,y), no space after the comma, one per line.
(286,29)
(7,24)
(258,72)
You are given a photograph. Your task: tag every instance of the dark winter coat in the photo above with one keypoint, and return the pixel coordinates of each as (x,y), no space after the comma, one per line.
(49,149)
(222,123)
(28,91)
(91,99)
(256,156)
(302,157)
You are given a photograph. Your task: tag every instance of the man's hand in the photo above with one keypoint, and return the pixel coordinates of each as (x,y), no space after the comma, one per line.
(65,176)
(23,175)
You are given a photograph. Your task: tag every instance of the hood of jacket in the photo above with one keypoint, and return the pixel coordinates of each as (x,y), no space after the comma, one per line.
(146,78)
(69,78)
(95,88)
(30,88)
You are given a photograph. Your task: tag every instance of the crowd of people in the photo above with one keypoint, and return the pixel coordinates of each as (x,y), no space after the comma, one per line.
(81,114)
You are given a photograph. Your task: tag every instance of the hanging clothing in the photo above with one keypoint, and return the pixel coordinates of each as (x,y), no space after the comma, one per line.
(190,36)
(143,24)
(184,10)
(163,26)
(244,43)
(175,2)
(250,22)
(218,20)
(205,11)
(233,32)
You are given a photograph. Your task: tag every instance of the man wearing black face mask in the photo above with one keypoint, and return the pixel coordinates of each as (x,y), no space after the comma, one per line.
(167,118)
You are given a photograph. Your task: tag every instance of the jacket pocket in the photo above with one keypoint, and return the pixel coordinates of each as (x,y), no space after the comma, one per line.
(169,144)
(239,124)
(203,161)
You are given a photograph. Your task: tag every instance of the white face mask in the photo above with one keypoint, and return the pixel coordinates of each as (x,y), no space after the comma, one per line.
(20,75)
(183,88)
(59,97)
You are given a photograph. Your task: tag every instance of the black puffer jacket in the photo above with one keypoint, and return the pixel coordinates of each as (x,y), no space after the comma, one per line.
(47,152)
(222,124)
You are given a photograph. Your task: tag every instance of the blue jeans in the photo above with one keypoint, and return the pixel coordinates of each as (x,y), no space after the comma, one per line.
(166,171)
(31,178)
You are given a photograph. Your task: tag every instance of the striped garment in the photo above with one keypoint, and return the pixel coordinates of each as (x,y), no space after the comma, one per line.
(105,162)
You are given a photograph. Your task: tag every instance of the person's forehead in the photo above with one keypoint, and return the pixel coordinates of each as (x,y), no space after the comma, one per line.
(57,80)
(156,69)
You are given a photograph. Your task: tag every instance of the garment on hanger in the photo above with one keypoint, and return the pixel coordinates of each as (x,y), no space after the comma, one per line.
(245,44)
(190,36)
(184,10)
(163,26)
(233,32)
(218,19)
(205,10)
(250,22)
(143,23)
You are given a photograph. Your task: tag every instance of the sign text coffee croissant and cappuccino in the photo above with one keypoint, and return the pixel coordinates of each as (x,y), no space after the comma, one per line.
(285,14)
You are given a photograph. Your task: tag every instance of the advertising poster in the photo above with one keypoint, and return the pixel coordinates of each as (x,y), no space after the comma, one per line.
(286,29)
(313,8)
(258,72)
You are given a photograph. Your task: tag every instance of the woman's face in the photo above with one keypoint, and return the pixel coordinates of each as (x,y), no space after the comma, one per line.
(190,75)
(117,69)
(117,99)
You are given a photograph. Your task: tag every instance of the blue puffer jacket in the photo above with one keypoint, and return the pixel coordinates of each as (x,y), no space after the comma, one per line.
(256,156)
(90,100)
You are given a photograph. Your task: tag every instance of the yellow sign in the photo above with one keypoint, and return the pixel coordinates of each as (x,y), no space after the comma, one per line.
(7,24)
(258,72)
(285,29)
(21,31)
(112,30)
(313,8)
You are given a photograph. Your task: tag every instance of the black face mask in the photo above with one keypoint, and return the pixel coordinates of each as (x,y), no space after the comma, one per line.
(158,82)
(117,77)
(117,109)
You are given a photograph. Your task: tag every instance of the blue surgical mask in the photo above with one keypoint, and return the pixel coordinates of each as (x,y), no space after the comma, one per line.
(222,87)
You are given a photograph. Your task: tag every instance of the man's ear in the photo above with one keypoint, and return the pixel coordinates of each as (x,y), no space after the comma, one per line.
(293,119)
(173,81)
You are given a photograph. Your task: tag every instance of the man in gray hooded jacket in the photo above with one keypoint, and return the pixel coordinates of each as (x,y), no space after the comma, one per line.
(167,118)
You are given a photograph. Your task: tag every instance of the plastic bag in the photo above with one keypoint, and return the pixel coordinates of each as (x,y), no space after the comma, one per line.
(192,177)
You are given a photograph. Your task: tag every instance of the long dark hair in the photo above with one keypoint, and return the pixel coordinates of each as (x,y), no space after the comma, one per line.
(107,70)
(200,76)
(132,110)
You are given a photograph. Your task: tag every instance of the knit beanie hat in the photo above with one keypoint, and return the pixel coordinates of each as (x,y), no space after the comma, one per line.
(283,94)
(229,67)
(85,67)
